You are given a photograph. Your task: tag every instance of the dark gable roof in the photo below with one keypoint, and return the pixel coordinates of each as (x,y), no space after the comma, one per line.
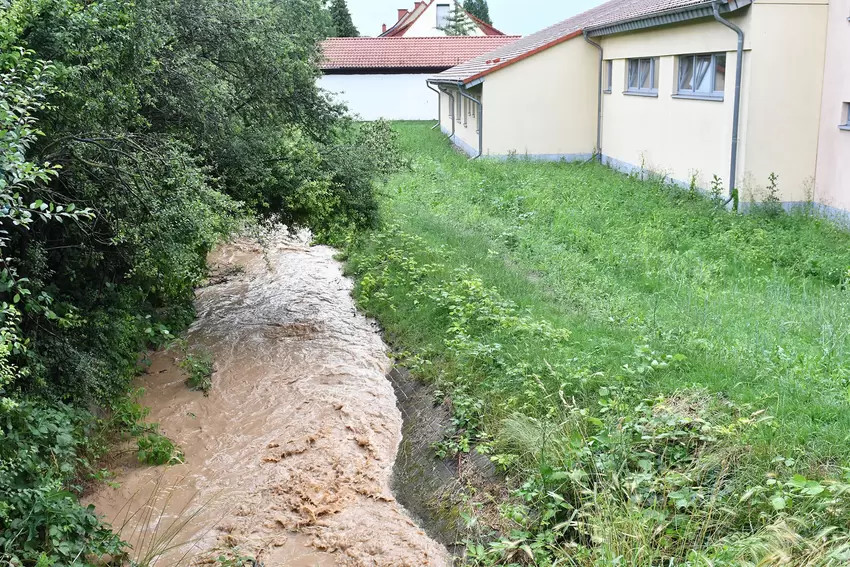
(607,14)
(430,53)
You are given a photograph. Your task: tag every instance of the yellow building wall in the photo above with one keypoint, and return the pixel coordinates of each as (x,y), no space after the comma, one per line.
(545,105)
(783,98)
(683,139)
(465,121)
(702,36)
(832,183)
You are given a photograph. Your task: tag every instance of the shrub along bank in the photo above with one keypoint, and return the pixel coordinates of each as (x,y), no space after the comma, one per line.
(660,381)
(134,135)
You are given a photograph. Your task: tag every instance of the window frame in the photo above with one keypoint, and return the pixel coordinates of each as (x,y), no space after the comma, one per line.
(652,91)
(445,21)
(459,107)
(846,112)
(608,76)
(692,94)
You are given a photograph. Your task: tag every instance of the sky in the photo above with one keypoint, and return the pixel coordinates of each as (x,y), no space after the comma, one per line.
(514,17)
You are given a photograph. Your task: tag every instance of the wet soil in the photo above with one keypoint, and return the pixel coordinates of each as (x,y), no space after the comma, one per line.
(290,457)
(439,492)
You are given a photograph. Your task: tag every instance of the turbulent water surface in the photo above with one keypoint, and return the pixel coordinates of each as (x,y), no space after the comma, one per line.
(289,459)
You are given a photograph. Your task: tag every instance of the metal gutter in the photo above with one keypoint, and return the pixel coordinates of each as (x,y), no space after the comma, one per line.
(439,105)
(480,127)
(739,72)
(693,12)
(599,98)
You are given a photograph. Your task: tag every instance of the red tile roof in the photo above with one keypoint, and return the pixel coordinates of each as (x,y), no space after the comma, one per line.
(614,11)
(407,52)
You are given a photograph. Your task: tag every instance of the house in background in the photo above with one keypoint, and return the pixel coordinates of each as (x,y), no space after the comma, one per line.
(385,77)
(427,19)
(651,85)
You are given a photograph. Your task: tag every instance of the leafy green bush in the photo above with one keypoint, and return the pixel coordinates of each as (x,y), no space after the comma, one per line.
(43,451)
(135,136)
(199,367)
(157,449)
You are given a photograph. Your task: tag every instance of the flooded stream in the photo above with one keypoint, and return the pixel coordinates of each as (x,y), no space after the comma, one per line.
(290,457)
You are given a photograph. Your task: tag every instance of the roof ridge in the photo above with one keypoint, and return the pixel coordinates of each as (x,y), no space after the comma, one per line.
(441,52)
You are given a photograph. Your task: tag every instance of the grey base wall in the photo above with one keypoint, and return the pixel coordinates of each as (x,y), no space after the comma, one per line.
(472,152)
(545,157)
(839,216)
(467,149)
(629,169)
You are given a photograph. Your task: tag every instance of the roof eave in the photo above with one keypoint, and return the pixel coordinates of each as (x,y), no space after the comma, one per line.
(444,81)
(669,17)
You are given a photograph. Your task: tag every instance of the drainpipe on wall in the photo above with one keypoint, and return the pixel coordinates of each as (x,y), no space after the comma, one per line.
(480,126)
(599,98)
(439,105)
(739,72)
(451,109)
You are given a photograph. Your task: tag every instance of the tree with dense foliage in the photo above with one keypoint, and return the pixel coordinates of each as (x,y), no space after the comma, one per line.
(134,136)
(458,23)
(341,18)
(479,9)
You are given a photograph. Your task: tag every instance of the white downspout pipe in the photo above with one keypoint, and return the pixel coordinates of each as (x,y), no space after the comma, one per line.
(599,97)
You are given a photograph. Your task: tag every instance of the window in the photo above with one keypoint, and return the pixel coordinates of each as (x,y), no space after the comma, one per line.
(442,15)
(607,76)
(702,76)
(845,117)
(459,110)
(642,76)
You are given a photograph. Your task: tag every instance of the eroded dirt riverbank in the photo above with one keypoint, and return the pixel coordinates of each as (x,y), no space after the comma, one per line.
(289,459)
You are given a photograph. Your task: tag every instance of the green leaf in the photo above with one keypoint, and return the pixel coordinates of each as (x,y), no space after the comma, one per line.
(778,503)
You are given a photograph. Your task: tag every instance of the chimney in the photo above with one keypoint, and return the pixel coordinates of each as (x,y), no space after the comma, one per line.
(402,12)
(383,28)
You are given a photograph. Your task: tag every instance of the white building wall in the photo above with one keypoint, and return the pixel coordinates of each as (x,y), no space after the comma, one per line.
(394,97)
(426,25)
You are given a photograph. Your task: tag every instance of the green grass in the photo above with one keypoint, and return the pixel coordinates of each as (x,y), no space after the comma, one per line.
(678,312)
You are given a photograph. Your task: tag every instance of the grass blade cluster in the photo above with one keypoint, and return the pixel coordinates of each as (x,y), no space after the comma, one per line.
(660,381)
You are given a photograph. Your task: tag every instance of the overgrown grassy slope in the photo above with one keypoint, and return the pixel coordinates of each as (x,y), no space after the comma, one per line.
(612,342)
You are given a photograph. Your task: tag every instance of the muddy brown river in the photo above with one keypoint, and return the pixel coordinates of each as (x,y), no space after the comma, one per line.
(290,457)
